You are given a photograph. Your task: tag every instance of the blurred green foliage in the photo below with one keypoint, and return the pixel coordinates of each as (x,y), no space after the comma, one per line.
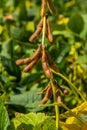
(18,20)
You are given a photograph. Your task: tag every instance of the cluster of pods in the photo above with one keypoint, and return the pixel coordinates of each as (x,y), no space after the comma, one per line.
(41,54)
(48,92)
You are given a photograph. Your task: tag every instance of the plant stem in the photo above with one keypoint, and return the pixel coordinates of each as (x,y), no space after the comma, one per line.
(44,31)
(71,84)
(56,106)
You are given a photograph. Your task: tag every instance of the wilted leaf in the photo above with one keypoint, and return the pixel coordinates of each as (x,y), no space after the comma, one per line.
(70,126)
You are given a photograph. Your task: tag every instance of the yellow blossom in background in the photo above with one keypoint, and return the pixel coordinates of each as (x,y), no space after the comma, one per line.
(63,20)
(69,4)
(28,4)
(79,69)
(30,26)
(78,45)
(73,50)
(1,29)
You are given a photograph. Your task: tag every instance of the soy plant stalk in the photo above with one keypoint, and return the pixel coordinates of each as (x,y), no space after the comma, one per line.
(43,46)
(51,80)
(56,106)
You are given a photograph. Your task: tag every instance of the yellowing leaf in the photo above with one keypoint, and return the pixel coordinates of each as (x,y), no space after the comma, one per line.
(84,127)
(69,4)
(30,26)
(28,4)
(72,120)
(70,126)
(73,50)
(1,29)
(79,69)
(81,109)
(78,45)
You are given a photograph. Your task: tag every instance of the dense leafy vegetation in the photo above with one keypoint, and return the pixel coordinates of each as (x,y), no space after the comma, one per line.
(19,102)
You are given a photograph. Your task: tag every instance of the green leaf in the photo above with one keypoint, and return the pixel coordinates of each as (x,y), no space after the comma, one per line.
(23,11)
(25,127)
(82,61)
(76,23)
(4,119)
(31,78)
(49,124)
(11,67)
(30,100)
(17,33)
(63,53)
(7,49)
(32,120)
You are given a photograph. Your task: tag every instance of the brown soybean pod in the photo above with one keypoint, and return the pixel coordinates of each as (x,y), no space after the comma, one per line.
(45,65)
(65,91)
(51,62)
(57,86)
(24,61)
(44,100)
(49,33)
(58,96)
(37,53)
(28,60)
(47,95)
(43,7)
(31,65)
(51,6)
(43,91)
(37,32)
(40,25)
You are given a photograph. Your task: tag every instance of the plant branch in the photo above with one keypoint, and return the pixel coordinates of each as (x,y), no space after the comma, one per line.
(69,82)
